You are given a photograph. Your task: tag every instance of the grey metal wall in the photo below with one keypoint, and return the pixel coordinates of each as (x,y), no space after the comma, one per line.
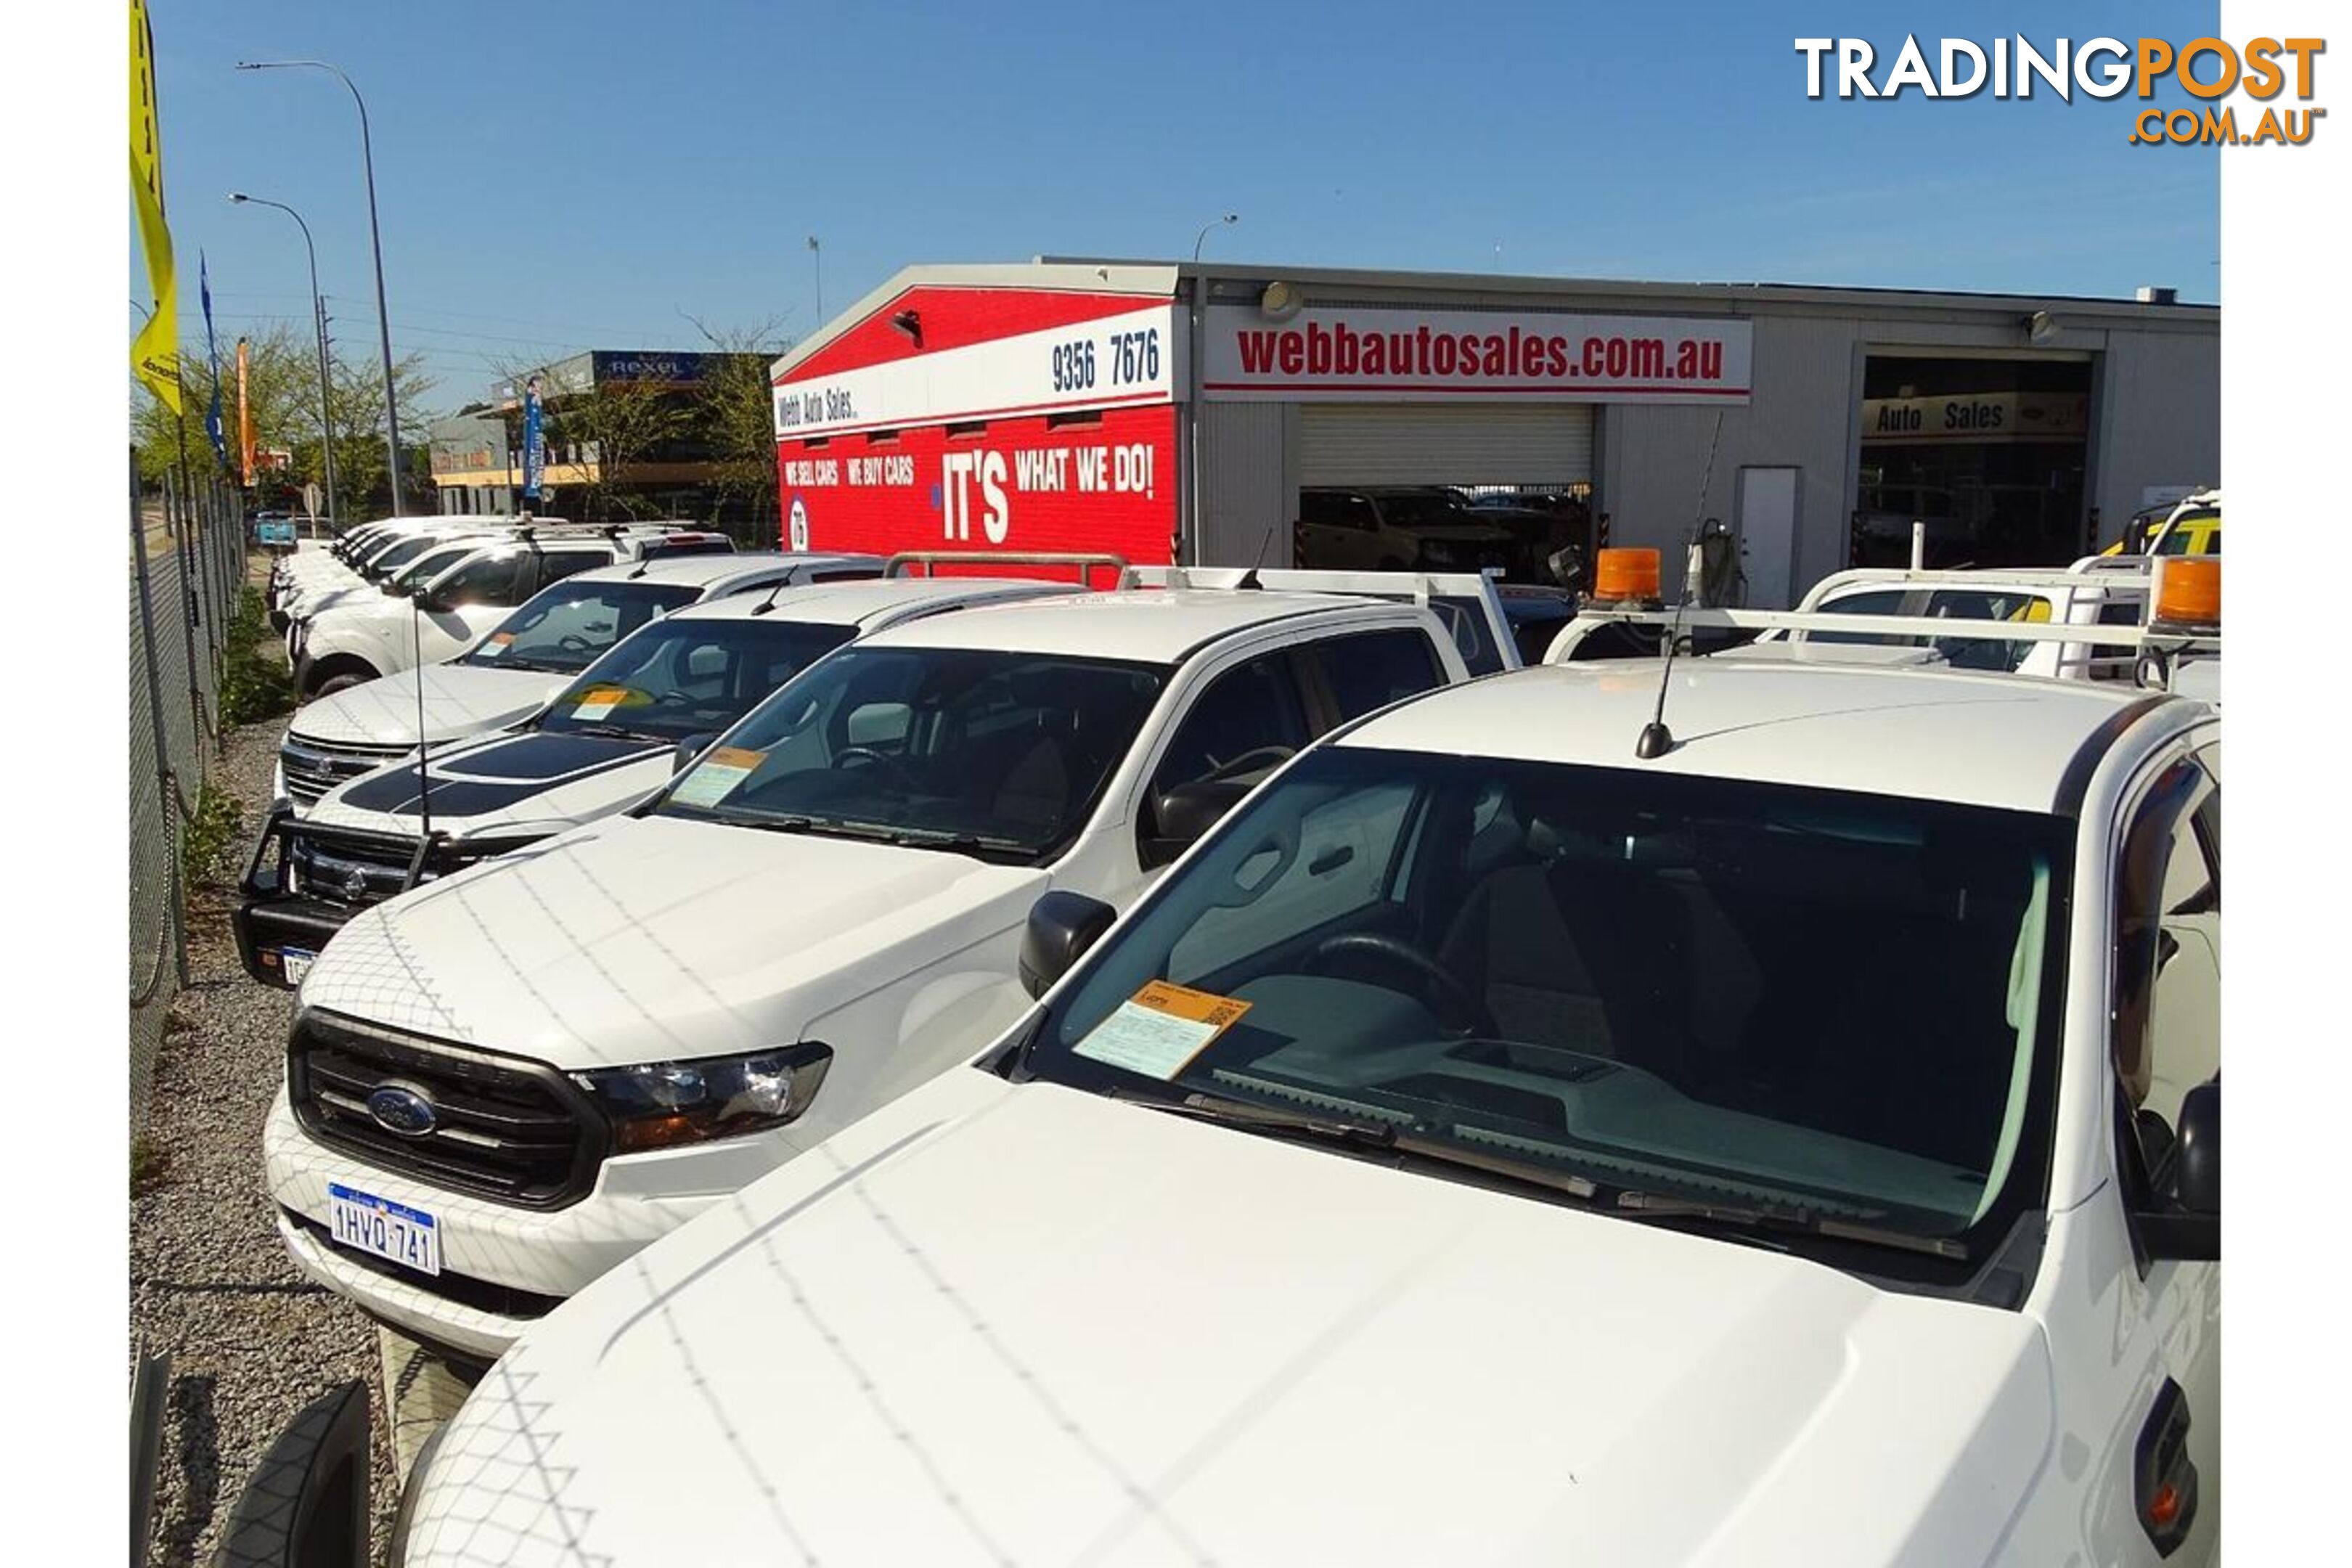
(2158,421)
(1246,483)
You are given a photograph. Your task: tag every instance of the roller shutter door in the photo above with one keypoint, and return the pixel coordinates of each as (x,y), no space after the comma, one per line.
(1438,444)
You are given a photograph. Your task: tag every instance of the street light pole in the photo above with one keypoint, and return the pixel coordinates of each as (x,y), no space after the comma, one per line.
(1213,224)
(816,262)
(375,239)
(319,319)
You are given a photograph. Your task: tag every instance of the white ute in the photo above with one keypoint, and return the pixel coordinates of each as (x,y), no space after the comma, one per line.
(614,735)
(455,595)
(504,1083)
(526,658)
(1487,1147)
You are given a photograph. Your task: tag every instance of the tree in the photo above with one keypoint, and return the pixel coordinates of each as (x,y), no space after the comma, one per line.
(607,431)
(736,405)
(282,400)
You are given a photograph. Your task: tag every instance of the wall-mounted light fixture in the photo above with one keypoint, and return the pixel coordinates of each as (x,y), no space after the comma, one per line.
(911,323)
(2041,327)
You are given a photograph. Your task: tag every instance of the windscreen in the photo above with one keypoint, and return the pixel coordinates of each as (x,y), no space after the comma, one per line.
(563,629)
(1719,991)
(685,677)
(994,752)
(392,558)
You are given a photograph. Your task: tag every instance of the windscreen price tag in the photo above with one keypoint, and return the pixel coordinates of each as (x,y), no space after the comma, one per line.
(1158,1030)
(715,777)
(597,704)
(499,644)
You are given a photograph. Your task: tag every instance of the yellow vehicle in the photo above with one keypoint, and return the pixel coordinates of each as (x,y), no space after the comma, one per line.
(2190,526)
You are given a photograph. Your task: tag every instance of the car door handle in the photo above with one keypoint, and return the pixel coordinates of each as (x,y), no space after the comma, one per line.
(1331,859)
(2164,1480)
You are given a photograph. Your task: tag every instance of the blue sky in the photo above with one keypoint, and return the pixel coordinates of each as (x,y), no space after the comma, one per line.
(556,176)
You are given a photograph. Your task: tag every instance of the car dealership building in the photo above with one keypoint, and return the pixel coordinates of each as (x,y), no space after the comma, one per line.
(1231,413)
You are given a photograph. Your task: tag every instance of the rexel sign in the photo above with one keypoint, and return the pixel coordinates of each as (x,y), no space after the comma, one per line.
(1061,438)
(1361,353)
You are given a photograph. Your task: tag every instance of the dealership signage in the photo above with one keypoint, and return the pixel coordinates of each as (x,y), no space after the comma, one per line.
(1977,416)
(1023,483)
(1363,352)
(1124,361)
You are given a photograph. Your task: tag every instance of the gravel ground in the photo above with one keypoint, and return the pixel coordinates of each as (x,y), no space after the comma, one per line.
(251,1342)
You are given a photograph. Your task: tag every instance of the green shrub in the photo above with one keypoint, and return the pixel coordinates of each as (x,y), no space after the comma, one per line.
(254,683)
(208,839)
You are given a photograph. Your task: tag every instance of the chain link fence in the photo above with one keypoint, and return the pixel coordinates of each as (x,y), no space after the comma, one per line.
(187,568)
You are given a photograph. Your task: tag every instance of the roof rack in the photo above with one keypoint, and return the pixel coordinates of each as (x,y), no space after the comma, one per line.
(2167,645)
(1088,563)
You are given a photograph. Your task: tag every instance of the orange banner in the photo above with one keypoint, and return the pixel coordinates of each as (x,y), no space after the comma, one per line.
(243,417)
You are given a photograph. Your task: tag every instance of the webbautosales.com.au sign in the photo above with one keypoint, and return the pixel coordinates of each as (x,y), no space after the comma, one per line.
(1356,353)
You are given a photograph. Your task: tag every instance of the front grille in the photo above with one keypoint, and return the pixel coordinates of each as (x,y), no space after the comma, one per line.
(314,767)
(351,871)
(482,1294)
(507,1129)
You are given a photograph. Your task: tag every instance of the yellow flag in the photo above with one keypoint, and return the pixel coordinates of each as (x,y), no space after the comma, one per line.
(155,353)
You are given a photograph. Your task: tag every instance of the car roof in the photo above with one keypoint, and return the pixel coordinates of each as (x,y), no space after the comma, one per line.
(703,570)
(2003,741)
(858,602)
(1155,625)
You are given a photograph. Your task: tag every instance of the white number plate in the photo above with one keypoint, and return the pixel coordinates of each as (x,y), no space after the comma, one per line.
(297,962)
(410,1238)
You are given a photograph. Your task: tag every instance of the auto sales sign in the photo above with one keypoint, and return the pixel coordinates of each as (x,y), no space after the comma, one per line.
(1359,353)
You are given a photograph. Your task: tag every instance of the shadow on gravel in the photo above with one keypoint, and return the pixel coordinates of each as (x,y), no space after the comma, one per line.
(233,1286)
(197,1450)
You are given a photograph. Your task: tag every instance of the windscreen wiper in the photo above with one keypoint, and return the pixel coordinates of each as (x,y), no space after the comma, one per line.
(1266,1118)
(1790,1221)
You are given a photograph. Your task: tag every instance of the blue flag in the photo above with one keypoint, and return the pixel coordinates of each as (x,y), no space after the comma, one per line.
(534,450)
(212,354)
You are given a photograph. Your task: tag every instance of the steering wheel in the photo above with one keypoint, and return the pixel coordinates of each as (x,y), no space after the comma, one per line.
(1460,1011)
(882,760)
(571,642)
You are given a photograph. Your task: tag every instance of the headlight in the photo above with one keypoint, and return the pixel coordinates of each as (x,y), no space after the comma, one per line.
(665,1104)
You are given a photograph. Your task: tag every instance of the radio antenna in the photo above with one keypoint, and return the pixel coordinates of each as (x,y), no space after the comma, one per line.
(1655,740)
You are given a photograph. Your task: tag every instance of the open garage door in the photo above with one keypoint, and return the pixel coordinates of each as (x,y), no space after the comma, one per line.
(1533,445)
(1441,486)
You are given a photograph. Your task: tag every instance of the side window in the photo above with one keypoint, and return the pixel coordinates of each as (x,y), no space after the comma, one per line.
(554,565)
(486,579)
(1248,722)
(1336,508)
(1971,604)
(1873,602)
(2167,970)
(1372,669)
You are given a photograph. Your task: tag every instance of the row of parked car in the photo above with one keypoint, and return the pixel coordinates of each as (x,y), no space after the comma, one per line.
(887,1066)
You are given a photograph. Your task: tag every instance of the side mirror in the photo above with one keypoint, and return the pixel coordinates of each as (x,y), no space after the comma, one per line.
(689,749)
(1061,926)
(2187,1225)
(391,588)
(1186,811)
(2197,1156)
(427,600)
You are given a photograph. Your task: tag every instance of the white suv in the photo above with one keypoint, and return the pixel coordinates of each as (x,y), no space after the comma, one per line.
(504,1083)
(529,657)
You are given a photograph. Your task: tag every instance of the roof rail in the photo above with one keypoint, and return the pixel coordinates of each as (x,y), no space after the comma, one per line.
(1087,562)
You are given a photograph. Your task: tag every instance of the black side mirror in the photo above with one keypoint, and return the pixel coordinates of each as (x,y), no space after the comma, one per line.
(2197,1155)
(1061,926)
(306,1505)
(2187,1224)
(391,588)
(689,749)
(1184,813)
